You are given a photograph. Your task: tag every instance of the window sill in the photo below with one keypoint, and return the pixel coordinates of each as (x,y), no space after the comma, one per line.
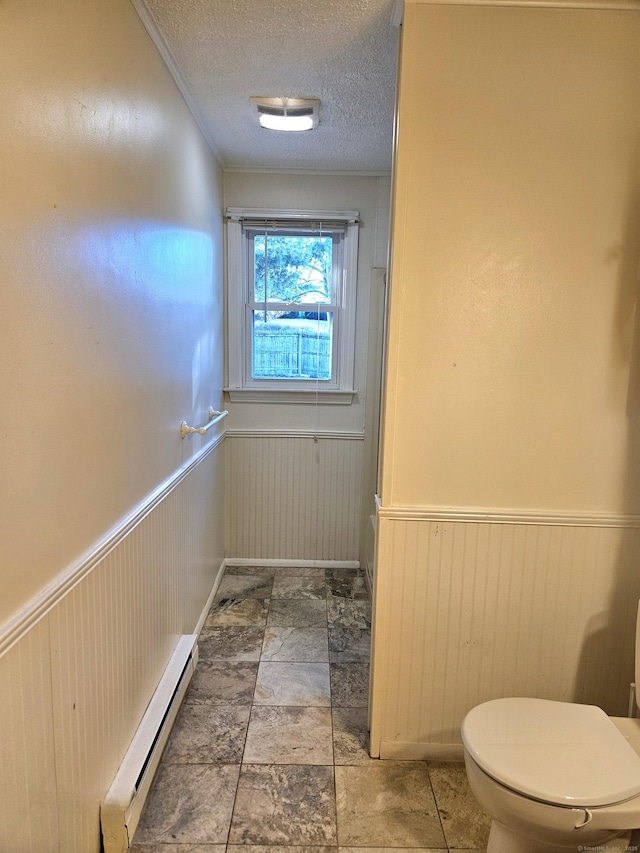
(324,397)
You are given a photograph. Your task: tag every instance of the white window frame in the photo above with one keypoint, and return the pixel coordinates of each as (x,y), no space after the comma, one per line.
(241,385)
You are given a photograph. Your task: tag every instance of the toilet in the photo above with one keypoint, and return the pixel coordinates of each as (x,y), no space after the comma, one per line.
(554,776)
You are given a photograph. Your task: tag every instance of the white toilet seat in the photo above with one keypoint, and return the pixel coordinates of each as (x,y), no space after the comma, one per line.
(524,825)
(553,752)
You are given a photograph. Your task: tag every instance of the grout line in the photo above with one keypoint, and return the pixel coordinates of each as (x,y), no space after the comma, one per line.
(268,601)
(252,706)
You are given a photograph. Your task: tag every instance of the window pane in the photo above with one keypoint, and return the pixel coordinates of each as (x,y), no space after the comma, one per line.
(292,344)
(298,268)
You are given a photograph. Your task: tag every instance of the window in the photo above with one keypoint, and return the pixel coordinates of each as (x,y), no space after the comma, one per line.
(291,280)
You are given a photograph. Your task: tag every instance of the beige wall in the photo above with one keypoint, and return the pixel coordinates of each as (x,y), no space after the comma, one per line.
(111,526)
(516,250)
(508,526)
(110,263)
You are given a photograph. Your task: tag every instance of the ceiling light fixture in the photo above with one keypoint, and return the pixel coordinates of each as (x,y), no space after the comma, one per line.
(289,114)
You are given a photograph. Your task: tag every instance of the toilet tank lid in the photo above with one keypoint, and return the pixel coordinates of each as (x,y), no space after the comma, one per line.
(556,752)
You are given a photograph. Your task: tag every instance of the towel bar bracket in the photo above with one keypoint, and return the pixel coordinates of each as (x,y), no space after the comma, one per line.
(214,418)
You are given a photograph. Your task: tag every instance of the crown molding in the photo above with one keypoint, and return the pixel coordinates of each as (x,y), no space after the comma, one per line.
(397,13)
(167,57)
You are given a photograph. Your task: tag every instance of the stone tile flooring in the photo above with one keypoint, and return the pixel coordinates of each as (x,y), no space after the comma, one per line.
(269,748)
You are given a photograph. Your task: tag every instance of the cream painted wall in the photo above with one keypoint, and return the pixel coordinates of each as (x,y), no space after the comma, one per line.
(111,268)
(511,377)
(111,333)
(508,547)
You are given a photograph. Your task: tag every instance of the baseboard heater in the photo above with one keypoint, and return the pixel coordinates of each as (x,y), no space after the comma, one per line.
(120,812)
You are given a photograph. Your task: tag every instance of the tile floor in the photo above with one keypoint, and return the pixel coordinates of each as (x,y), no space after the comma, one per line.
(269,748)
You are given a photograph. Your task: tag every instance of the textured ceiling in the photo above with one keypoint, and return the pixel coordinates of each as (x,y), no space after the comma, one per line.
(343,53)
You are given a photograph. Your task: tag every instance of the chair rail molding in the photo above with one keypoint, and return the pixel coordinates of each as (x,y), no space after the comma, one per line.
(507,516)
(39,606)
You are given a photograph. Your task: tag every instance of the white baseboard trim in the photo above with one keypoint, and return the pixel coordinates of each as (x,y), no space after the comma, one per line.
(39,606)
(212,595)
(409,751)
(291,564)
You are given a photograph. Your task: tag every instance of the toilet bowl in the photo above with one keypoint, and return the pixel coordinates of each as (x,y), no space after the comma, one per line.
(554,776)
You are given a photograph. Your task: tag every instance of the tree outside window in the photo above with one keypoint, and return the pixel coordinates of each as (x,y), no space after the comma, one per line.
(291,304)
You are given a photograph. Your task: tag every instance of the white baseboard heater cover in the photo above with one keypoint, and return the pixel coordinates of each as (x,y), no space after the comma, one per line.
(120,812)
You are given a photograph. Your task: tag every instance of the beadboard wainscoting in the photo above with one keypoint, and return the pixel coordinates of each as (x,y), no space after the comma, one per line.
(294,495)
(83,662)
(469,608)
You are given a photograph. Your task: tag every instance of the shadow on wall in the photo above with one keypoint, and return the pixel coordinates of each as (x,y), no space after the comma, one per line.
(611,634)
